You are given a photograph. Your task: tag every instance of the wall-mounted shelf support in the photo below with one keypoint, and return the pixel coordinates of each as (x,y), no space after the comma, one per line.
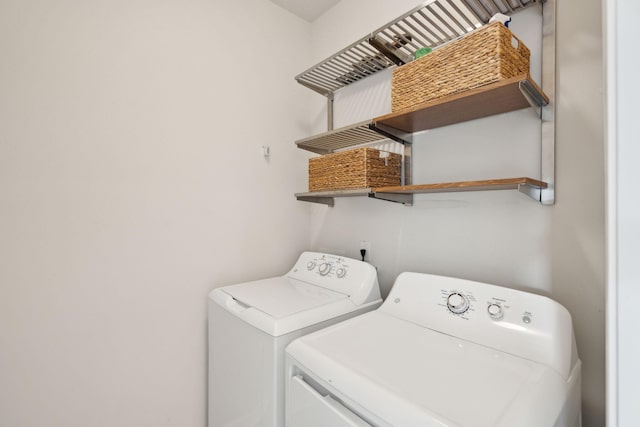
(394,134)
(316,199)
(326,197)
(330,111)
(404,138)
(508,95)
(533,96)
(533,192)
(434,23)
(548,81)
(405,199)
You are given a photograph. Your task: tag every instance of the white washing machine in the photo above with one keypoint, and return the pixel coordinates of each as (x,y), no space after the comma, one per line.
(250,324)
(440,352)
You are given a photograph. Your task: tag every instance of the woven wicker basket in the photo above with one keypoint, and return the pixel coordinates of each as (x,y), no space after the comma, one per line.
(359,168)
(487,55)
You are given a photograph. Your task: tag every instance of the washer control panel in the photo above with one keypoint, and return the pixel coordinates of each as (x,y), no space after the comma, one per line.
(346,275)
(513,321)
(329,265)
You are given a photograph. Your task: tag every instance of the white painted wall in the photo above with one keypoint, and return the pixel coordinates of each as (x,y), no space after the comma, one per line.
(498,237)
(623,214)
(131,184)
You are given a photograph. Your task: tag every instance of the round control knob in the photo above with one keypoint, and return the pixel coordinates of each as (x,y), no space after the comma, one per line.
(457,303)
(341,273)
(311,265)
(324,269)
(495,311)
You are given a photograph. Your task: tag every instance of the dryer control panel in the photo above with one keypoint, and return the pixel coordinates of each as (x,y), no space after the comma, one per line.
(516,322)
(348,276)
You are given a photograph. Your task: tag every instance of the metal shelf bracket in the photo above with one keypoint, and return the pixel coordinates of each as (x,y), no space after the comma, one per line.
(533,97)
(394,134)
(405,199)
(322,200)
(533,192)
(404,138)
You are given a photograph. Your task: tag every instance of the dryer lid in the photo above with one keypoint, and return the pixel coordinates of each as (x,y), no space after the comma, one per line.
(406,374)
(280,297)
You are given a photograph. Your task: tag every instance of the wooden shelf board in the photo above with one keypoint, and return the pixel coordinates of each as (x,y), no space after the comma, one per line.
(484,185)
(488,100)
(445,187)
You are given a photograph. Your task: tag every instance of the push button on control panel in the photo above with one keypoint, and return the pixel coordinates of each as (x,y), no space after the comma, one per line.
(495,311)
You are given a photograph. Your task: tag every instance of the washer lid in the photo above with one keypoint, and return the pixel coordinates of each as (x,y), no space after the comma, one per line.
(406,374)
(280,297)
(282,305)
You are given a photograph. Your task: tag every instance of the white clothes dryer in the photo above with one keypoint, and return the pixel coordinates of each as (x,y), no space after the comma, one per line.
(440,352)
(250,324)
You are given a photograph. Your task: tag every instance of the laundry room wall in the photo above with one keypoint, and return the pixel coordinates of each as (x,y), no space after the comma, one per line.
(497,237)
(132,182)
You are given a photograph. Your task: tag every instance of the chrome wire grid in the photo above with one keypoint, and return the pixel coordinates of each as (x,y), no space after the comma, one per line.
(334,140)
(432,24)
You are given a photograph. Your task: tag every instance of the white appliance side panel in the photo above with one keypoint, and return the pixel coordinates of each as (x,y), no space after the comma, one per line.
(240,358)
(308,408)
(246,368)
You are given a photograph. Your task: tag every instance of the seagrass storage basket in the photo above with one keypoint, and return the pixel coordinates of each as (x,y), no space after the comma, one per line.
(487,55)
(358,168)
